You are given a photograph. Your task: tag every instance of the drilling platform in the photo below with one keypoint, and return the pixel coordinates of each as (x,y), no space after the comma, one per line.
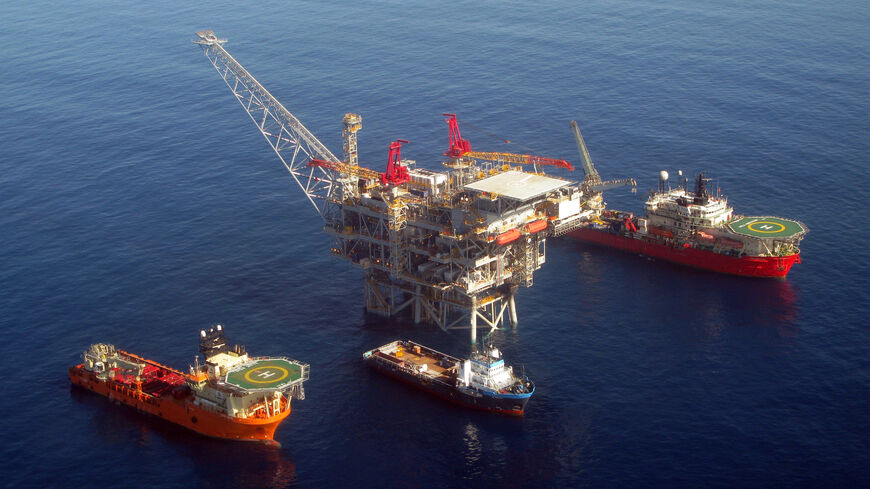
(449,247)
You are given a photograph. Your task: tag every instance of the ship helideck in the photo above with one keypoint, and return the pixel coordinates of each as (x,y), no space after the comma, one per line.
(231,395)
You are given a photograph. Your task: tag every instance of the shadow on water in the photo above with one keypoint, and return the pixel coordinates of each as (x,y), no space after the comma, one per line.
(454,341)
(722,301)
(217,463)
(704,302)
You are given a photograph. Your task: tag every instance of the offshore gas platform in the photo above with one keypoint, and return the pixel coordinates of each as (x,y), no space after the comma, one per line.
(450,247)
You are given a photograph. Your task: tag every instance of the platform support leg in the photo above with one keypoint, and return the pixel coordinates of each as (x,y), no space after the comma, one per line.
(417,306)
(473,325)
(513,309)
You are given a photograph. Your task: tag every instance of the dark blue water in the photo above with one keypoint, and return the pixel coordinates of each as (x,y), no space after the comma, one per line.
(138,204)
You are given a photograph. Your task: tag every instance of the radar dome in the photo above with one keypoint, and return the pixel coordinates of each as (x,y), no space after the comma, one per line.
(663,175)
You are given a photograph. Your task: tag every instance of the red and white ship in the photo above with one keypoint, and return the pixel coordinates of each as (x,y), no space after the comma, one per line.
(700,230)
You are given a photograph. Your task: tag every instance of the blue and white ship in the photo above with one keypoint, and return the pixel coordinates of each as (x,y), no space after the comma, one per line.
(482,381)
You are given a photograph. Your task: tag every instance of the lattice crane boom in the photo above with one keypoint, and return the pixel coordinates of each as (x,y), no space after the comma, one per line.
(593,179)
(592,175)
(292,142)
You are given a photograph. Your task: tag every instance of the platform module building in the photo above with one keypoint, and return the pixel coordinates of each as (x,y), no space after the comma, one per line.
(452,252)
(451,247)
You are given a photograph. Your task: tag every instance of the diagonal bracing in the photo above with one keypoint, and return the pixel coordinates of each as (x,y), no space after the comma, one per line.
(292,142)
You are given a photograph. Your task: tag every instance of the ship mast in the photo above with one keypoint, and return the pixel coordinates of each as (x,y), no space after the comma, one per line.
(701,194)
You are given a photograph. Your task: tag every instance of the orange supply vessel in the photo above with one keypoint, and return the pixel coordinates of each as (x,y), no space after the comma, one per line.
(232,395)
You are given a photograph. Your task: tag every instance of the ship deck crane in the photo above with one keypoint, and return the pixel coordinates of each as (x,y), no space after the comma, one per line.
(593,179)
(461,148)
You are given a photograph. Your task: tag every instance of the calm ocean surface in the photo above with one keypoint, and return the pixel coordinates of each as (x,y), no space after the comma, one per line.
(139,204)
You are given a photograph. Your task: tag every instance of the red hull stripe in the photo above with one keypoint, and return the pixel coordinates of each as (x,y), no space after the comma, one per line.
(748,266)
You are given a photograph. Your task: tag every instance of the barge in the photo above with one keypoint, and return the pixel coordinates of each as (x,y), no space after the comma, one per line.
(482,381)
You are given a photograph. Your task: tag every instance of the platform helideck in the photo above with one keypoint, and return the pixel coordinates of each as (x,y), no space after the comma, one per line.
(517,185)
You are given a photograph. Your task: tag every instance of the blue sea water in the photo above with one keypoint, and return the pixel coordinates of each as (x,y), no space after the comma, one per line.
(138,204)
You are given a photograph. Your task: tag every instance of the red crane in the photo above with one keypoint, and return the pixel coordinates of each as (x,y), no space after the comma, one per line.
(462,147)
(458,146)
(396,174)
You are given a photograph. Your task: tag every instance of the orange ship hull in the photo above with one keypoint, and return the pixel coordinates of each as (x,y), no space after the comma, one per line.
(182,410)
